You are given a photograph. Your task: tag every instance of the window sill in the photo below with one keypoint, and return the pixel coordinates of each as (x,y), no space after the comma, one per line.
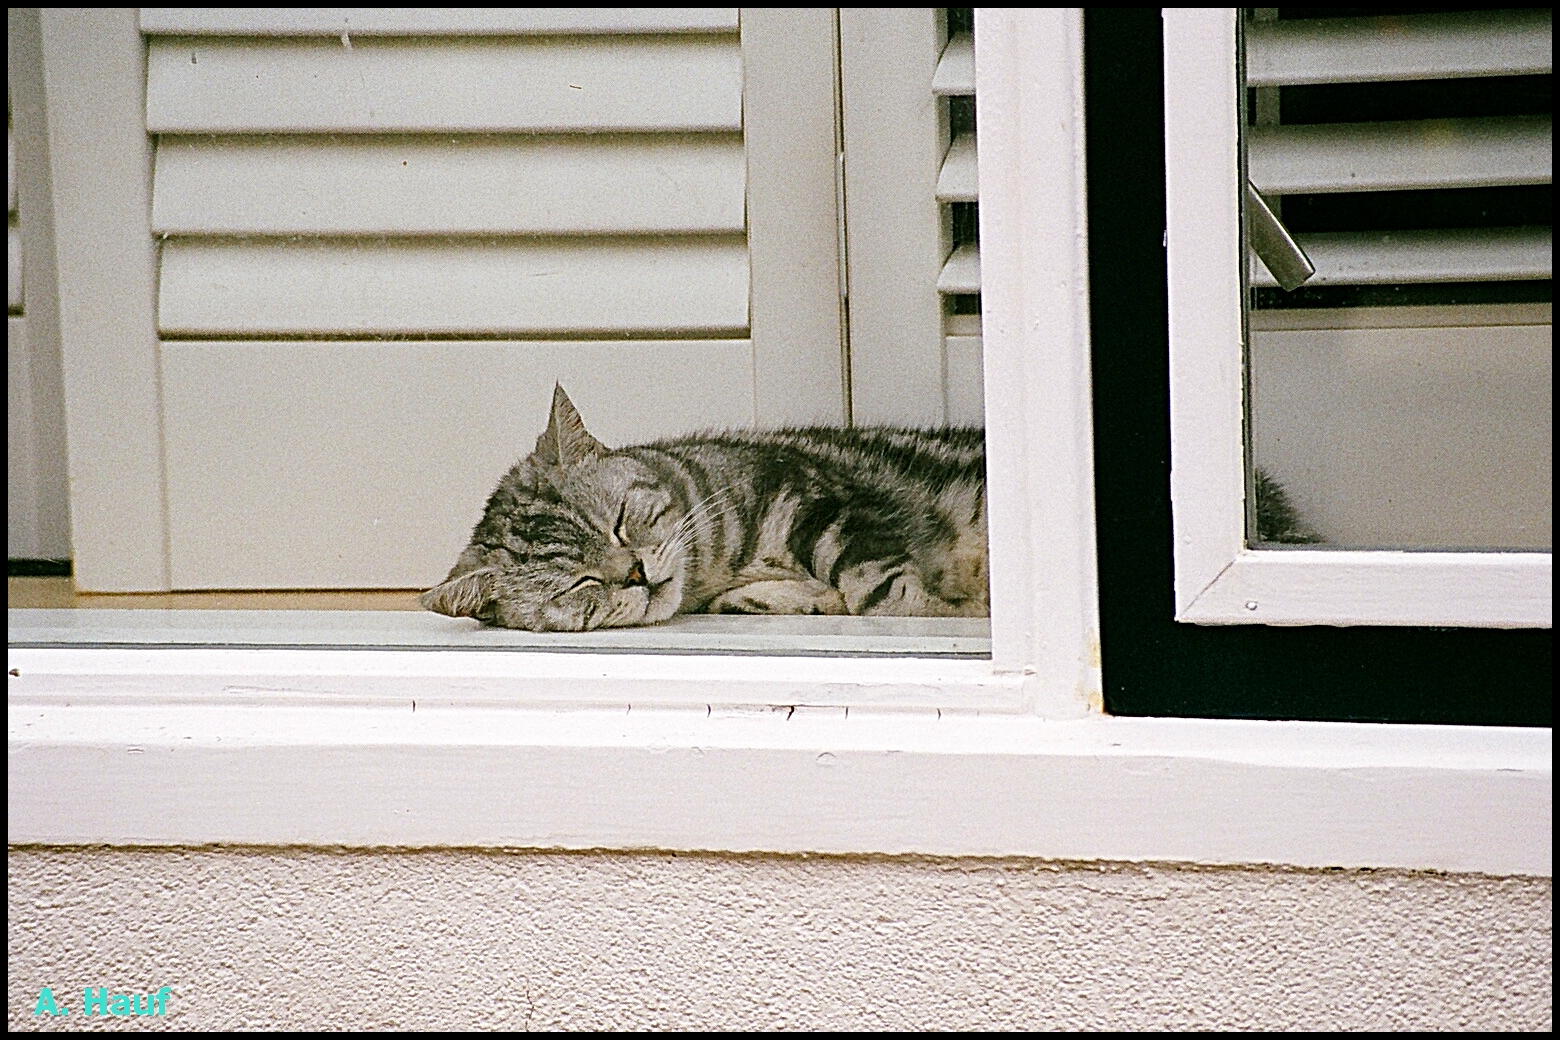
(419,630)
(384,748)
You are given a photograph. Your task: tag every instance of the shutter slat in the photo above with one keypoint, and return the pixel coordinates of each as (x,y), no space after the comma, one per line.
(431,21)
(1425,46)
(955,74)
(349,185)
(1443,153)
(961,273)
(546,84)
(959,180)
(1439,255)
(469,286)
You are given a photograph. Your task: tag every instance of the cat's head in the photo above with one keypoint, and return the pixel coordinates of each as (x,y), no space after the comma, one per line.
(576,537)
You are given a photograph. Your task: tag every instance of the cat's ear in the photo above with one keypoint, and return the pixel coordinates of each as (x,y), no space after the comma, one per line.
(566,441)
(468,595)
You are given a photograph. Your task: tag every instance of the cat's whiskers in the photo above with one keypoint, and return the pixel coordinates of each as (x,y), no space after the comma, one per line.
(714,506)
(698,510)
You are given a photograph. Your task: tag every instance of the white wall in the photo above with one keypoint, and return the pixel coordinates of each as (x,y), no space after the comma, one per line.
(302,939)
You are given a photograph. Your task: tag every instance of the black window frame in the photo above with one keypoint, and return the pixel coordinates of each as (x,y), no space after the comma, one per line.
(1152,664)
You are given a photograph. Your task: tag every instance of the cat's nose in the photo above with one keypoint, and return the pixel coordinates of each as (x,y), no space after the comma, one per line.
(636,575)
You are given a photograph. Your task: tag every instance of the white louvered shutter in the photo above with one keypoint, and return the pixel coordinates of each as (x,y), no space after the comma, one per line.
(1403,394)
(385,233)
(910,186)
(305,347)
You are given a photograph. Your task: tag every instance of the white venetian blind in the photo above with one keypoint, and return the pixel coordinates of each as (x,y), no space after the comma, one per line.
(474,171)
(1316,154)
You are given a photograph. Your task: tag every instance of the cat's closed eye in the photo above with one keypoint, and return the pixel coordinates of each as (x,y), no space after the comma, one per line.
(617,527)
(636,521)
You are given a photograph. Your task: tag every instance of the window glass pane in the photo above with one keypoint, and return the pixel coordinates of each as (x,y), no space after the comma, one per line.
(327,384)
(1400,395)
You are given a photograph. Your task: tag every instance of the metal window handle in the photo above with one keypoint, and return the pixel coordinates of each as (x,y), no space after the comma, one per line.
(1275,245)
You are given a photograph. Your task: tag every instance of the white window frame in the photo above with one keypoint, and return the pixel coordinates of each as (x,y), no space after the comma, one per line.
(1218,580)
(782,754)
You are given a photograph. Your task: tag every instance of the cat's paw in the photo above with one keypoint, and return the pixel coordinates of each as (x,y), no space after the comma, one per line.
(779,597)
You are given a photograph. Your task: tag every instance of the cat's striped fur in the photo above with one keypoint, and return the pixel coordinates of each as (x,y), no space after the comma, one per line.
(803,521)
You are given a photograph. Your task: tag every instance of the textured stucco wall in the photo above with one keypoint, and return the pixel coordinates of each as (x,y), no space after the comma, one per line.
(437,939)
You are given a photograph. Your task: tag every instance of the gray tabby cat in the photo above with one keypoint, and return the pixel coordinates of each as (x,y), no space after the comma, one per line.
(820,520)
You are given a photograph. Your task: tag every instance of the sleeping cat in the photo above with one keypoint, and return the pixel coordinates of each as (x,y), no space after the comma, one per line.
(820,520)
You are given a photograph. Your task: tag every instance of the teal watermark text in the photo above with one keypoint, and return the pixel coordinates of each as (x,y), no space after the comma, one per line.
(101,1001)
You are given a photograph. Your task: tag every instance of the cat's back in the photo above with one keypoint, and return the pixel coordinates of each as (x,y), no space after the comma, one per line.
(893,518)
(871,455)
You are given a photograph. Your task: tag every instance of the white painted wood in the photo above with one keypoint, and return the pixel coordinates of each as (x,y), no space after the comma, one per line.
(13,269)
(100,156)
(33,189)
(964,381)
(356,766)
(470,185)
(1420,46)
(1310,587)
(1203,239)
(789,129)
(543,84)
(1433,255)
(961,272)
(1410,438)
(431,21)
(513,679)
(365,465)
(955,72)
(766,636)
(894,144)
(466,286)
(1216,577)
(959,179)
(1039,423)
(1442,153)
